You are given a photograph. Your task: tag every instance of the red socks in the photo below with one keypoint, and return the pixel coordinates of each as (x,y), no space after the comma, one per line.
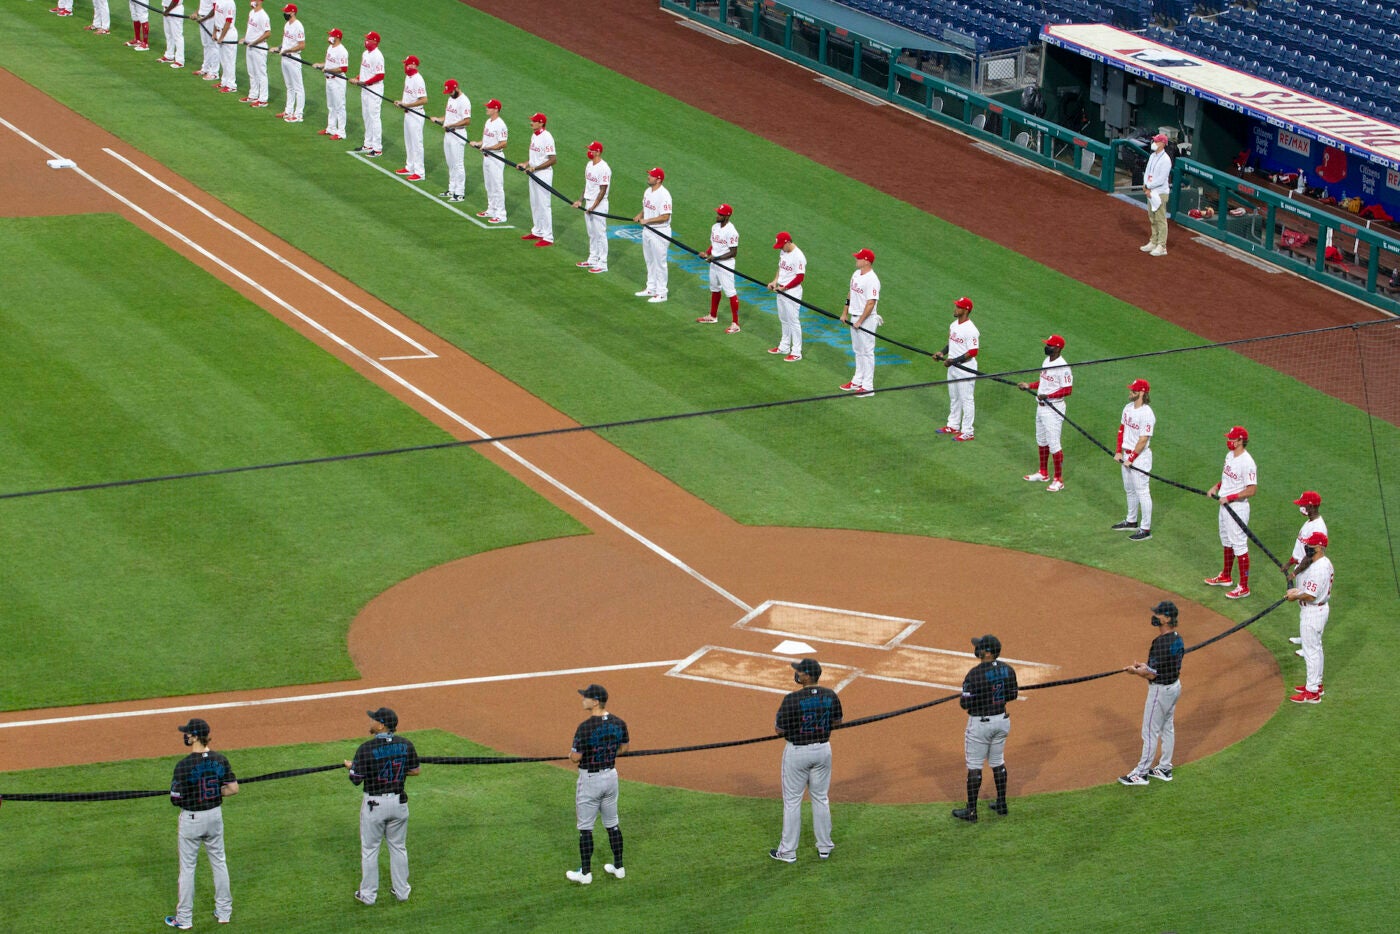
(1230,562)
(714,304)
(1059,463)
(1044,460)
(146,33)
(733,306)
(1244,571)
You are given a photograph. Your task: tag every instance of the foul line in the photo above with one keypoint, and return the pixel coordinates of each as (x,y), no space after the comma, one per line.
(408,386)
(412,186)
(424,352)
(332,695)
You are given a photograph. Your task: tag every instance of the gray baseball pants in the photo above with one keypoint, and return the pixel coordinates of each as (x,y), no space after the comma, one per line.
(595,795)
(383,819)
(207,828)
(1158,723)
(985,740)
(806,768)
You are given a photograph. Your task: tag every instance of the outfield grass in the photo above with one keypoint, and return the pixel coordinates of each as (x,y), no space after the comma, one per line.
(146,366)
(1282,829)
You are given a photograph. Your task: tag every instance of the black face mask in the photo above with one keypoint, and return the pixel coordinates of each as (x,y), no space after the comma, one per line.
(797,677)
(1157,622)
(1309,550)
(189,740)
(286,17)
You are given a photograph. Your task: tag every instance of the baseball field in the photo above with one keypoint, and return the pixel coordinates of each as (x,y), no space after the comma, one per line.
(238,310)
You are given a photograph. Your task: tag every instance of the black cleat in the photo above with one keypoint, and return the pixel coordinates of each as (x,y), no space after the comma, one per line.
(1123,526)
(999,806)
(967,814)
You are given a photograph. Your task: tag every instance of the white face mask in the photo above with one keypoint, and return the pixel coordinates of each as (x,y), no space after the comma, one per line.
(1303,510)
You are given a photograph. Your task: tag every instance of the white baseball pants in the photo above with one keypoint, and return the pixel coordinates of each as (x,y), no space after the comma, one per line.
(1159,725)
(806,769)
(789,318)
(101,16)
(1137,487)
(1312,620)
(369,112)
(597,227)
(210,64)
(139,12)
(66,5)
(962,407)
(413,143)
(1049,424)
(228,60)
(493,171)
(383,819)
(722,278)
(335,106)
(541,206)
(863,344)
(175,36)
(1231,532)
(207,828)
(654,251)
(454,148)
(296,89)
(256,60)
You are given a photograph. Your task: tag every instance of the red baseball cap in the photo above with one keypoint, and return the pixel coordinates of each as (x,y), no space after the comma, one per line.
(1139,385)
(337,33)
(1309,498)
(1315,539)
(784,238)
(658,173)
(289,8)
(724,210)
(450,85)
(866,254)
(412,60)
(493,104)
(964,303)
(541,119)
(595,146)
(1237,434)
(372,36)
(1056,341)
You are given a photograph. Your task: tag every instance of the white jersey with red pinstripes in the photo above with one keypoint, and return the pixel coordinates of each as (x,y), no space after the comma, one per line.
(1137,421)
(1054,376)
(1309,527)
(723,238)
(1238,473)
(1316,581)
(791,265)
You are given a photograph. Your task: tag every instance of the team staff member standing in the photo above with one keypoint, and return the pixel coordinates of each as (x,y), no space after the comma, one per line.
(209,66)
(371,73)
(226,43)
(255,36)
(1055,384)
(1162,672)
(101,18)
(723,248)
(597,179)
(1312,591)
(986,691)
(1135,429)
(792,269)
(454,121)
(140,25)
(1239,480)
(293,42)
(494,136)
(336,66)
(806,718)
(1157,182)
(414,99)
(655,218)
(861,300)
(201,782)
(1310,505)
(541,166)
(597,743)
(382,764)
(174,24)
(959,357)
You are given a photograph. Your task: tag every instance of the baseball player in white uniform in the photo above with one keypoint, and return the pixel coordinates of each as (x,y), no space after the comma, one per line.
(371,73)
(597,179)
(723,249)
(101,18)
(204,19)
(412,103)
(792,269)
(1135,429)
(1238,482)
(1157,182)
(336,66)
(1310,505)
(540,165)
(1052,391)
(454,122)
(1312,591)
(655,218)
(255,36)
(960,358)
(173,22)
(293,43)
(494,135)
(861,301)
(140,26)
(226,40)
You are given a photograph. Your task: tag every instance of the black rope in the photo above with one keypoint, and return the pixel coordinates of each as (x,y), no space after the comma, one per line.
(1375,457)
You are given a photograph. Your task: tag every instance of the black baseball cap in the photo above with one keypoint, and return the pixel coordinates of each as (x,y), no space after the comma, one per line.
(196,727)
(1165,608)
(595,692)
(385,716)
(808,666)
(986,644)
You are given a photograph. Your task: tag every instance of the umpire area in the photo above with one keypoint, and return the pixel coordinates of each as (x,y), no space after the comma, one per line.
(852,644)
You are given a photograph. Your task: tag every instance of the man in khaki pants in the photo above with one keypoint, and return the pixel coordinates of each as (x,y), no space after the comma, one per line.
(1156,183)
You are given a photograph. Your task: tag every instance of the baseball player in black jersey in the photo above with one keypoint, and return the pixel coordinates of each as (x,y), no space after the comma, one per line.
(597,743)
(806,718)
(382,764)
(986,691)
(202,780)
(1162,672)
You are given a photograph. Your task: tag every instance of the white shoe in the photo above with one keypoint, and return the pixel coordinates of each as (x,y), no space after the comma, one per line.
(1054,487)
(1035,477)
(1148,247)
(582,878)
(617,872)
(1295,640)
(1160,251)
(1299,653)
(644,293)
(656,299)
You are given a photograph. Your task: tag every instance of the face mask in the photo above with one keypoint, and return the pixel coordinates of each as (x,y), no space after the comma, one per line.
(286,17)
(797,678)
(1309,550)
(189,740)
(1303,510)
(1157,622)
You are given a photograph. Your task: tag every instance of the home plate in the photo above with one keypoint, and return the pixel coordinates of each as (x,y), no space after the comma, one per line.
(792,647)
